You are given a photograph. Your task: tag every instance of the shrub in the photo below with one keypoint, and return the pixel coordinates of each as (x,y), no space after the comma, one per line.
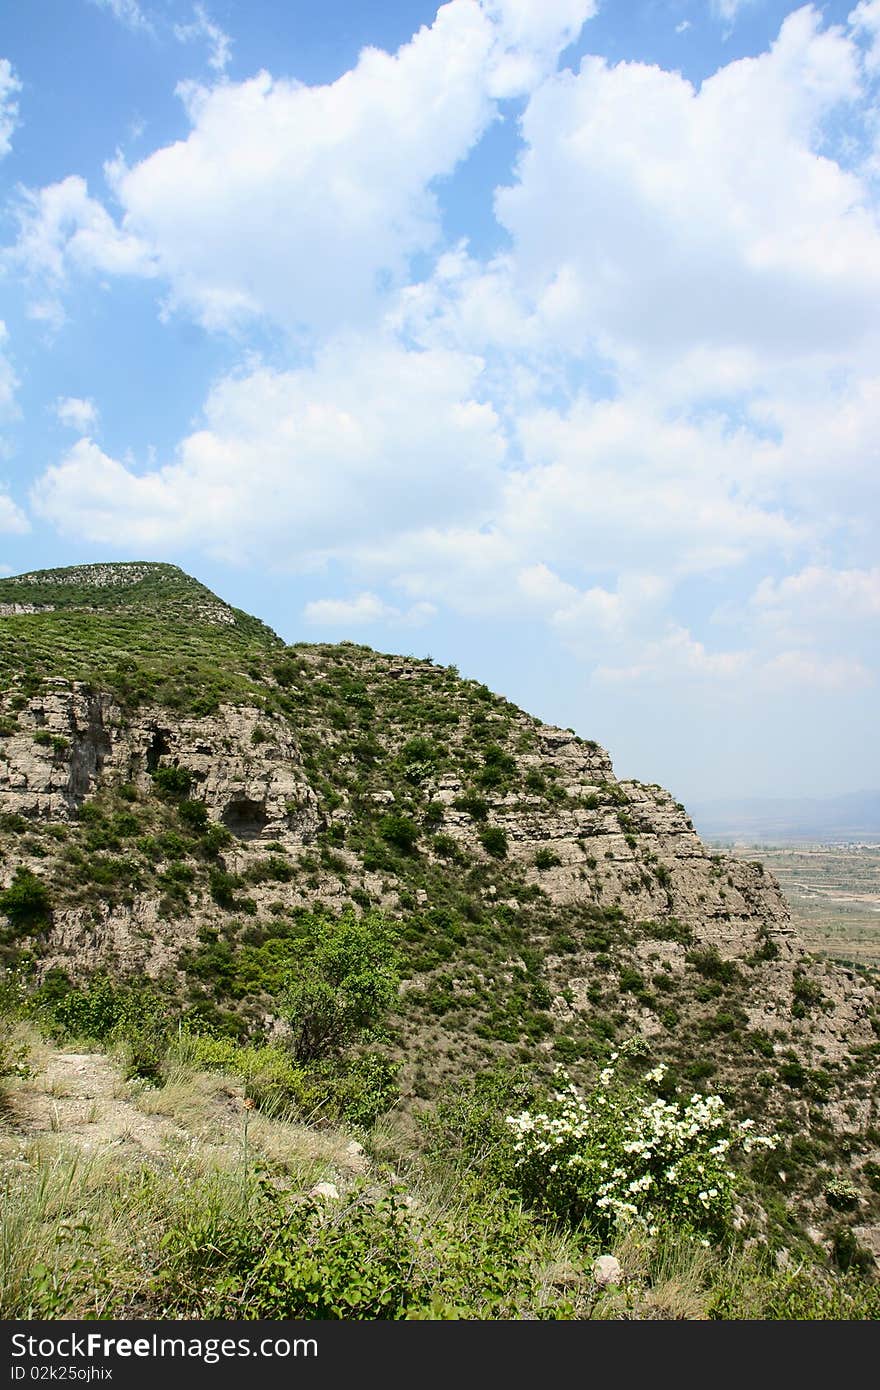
(806,994)
(320,1261)
(615,1157)
(841,1194)
(172,783)
(401,832)
(494,841)
(546,859)
(707,961)
(223,886)
(194,815)
(448,848)
(497,766)
(472,805)
(26,902)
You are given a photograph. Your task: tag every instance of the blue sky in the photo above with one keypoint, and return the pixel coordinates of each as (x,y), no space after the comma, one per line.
(542,336)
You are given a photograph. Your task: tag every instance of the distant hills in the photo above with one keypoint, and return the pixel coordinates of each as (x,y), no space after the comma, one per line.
(791,820)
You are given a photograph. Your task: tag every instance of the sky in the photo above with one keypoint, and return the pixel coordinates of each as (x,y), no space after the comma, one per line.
(538,336)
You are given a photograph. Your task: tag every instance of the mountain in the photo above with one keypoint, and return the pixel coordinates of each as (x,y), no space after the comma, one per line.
(182,787)
(853,818)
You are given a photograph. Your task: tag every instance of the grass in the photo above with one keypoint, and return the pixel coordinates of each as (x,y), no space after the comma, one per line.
(221,1224)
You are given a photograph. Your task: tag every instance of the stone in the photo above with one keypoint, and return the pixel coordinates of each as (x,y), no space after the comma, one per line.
(325,1189)
(606,1270)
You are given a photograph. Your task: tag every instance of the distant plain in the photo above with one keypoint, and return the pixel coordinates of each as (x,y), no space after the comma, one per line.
(833,892)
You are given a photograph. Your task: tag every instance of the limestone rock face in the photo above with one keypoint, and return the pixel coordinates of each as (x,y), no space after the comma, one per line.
(72,739)
(605,842)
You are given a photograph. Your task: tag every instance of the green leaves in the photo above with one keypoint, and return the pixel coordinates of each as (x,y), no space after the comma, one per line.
(26,902)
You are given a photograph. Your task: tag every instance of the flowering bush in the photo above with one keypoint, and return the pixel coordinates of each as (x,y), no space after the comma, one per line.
(616,1156)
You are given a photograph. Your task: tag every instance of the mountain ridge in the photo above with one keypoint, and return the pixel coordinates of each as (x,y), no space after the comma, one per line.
(187,790)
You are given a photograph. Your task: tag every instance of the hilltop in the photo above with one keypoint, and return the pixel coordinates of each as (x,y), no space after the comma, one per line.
(191,796)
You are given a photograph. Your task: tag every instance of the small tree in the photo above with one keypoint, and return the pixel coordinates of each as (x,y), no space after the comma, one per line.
(347,980)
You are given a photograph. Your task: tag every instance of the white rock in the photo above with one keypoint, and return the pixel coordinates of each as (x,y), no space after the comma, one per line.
(325,1189)
(606,1270)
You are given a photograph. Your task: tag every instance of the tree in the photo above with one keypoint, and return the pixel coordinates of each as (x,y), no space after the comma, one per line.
(347,980)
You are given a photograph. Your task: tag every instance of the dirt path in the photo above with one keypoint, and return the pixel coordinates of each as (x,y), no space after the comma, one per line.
(81,1097)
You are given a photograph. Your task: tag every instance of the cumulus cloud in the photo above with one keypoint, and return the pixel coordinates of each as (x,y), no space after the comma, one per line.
(530,37)
(865,19)
(366,442)
(77,414)
(674,377)
(675,232)
(306,203)
(365,610)
(61,227)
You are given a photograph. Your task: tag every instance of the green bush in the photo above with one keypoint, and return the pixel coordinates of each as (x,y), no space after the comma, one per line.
(26,902)
(401,832)
(194,815)
(322,1260)
(707,962)
(494,841)
(615,1156)
(546,859)
(101,1010)
(172,783)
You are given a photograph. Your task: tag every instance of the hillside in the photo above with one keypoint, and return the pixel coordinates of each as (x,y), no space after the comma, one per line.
(183,795)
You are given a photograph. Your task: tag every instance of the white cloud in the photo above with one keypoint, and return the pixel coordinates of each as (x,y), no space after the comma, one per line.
(699,217)
(9,89)
(679,659)
(823,592)
(865,19)
(77,414)
(727,10)
(821,610)
(303,203)
(673,378)
(61,228)
(365,610)
(530,37)
(678,653)
(12,518)
(368,442)
(204,27)
(798,670)
(300,202)
(128,12)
